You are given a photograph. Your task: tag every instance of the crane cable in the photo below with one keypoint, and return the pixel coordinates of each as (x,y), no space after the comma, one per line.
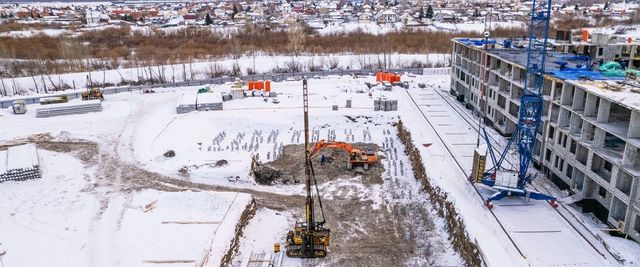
(315,182)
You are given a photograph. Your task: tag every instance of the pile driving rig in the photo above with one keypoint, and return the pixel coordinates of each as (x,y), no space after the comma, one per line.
(308,239)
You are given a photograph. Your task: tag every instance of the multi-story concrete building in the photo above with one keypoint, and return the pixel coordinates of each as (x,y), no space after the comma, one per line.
(599,46)
(589,143)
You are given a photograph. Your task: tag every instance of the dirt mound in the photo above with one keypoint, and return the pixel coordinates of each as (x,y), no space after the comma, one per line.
(266,175)
(289,166)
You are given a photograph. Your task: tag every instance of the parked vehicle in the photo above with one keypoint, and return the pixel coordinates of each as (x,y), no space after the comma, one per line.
(94,93)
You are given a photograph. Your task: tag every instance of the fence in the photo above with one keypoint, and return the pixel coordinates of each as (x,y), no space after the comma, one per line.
(276,77)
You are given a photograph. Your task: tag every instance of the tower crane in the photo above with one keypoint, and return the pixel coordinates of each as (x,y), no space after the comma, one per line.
(509,182)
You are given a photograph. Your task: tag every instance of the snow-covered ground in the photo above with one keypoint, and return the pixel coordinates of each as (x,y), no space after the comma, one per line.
(59,221)
(201,70)
(66,212)
(543,237)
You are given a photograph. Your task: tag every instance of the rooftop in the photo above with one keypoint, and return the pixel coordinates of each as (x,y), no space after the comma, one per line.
(575,71)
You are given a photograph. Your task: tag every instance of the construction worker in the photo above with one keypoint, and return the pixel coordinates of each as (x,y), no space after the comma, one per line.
(322,159)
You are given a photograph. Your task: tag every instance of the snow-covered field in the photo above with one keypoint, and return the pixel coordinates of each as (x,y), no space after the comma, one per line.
(59,221)
(261,63)
(92,213)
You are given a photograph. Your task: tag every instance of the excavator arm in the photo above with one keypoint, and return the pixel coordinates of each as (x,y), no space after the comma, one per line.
(332,144)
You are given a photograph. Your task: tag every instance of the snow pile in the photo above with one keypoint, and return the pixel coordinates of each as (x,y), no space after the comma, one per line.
(19,163)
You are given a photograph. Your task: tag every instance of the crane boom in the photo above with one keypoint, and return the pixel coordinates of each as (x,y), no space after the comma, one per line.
(332,144)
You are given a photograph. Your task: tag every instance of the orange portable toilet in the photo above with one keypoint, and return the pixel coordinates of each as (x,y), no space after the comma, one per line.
(267,85)
(384,77)
(378,76)
(250,85)
(260,85)
(585,35)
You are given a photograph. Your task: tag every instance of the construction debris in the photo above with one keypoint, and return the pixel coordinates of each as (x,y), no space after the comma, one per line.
(150,206)
(169,154)
(221,163)
(264,174)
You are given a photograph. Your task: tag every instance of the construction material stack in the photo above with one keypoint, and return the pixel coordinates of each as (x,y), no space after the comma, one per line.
(19,163)
(187,103)
(53,100)
(69,108)
(236,89)
(385,104)
(387,77)
(259,85)
(209,101)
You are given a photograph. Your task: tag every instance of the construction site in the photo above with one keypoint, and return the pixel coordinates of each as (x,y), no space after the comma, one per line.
(520,154)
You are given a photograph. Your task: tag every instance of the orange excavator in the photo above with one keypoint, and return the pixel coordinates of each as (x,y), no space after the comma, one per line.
(357,156)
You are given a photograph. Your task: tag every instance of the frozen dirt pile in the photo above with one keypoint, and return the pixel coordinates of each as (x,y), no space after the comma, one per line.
(289,167)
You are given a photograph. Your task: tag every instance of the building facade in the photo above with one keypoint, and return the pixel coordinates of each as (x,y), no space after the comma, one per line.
(589,143)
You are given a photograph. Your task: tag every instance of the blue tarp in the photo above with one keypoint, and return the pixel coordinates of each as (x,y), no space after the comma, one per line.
(575,74)
(476,42)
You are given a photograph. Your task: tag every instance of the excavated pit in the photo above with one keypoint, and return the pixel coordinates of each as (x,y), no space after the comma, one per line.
(288,168)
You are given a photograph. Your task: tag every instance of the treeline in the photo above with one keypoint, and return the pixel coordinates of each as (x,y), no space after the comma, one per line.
(15,26)
(123,47)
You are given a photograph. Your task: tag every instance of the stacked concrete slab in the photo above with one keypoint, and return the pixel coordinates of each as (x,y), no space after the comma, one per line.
(69,108)
(19,163)
(237,93)
(209,101)
(187,103)
(384,104)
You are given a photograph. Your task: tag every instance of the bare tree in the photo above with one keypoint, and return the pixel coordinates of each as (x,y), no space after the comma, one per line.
(296,38)
(4,88)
